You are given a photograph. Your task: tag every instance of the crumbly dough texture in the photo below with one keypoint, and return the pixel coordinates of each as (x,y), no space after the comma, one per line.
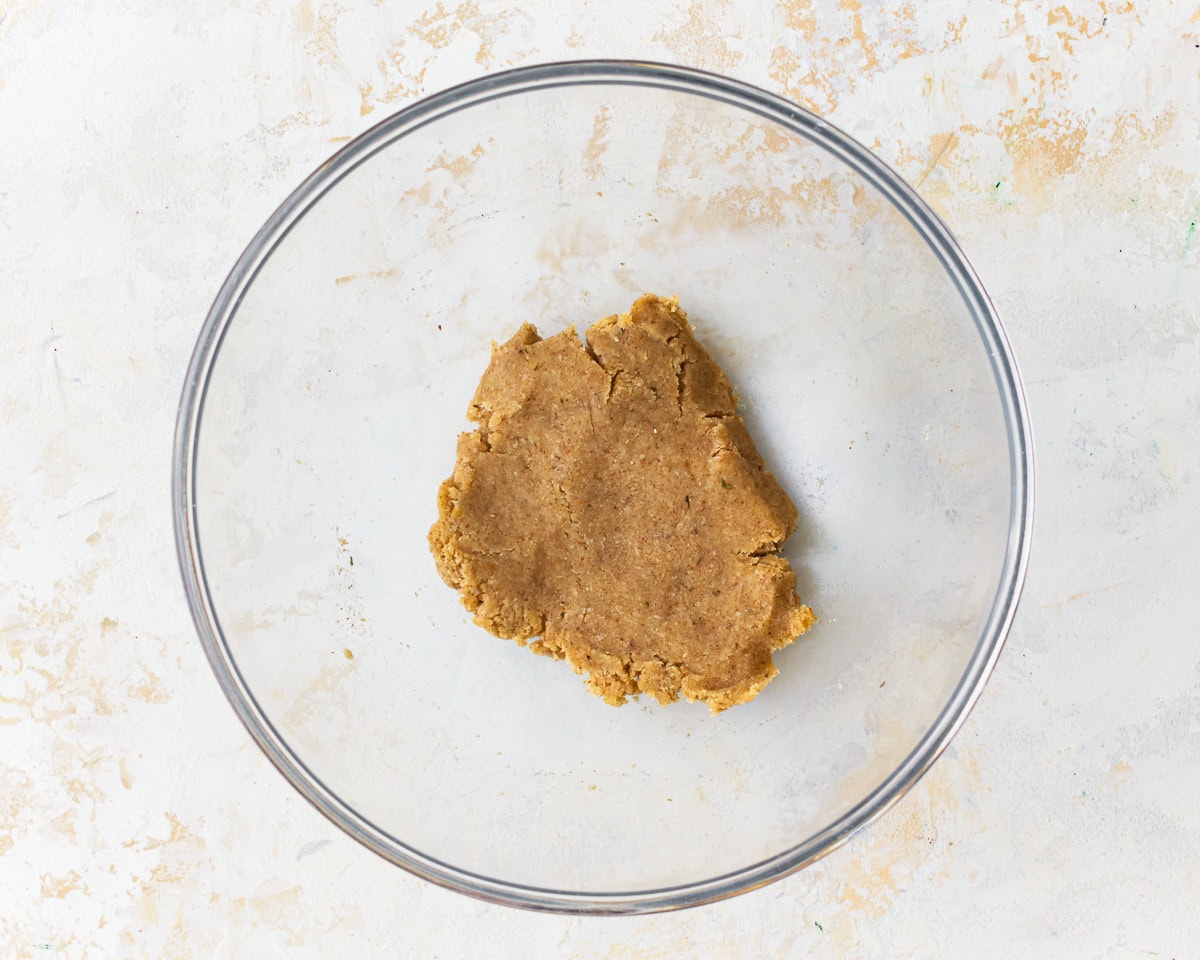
(612,505)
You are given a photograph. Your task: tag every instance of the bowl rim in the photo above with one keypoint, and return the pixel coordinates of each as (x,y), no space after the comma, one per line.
(797,120)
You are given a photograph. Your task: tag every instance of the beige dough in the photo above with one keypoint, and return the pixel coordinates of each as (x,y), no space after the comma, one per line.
(612,505)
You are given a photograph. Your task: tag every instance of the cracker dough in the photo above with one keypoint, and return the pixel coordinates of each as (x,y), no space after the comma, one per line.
(612,505)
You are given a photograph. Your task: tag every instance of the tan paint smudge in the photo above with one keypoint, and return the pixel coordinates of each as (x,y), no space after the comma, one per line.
(561,250)
(441,26)
(801,82)
(302,17)
(151,689)
(364,92)
(282,911)
(46,649)
(322,43)
(954,32)
(6,513)
(906,42)
(369,275)
(437,27)
(306,602)
(675,152)
(1118,775)
(799,15)
(300,118)
(763,139)
(57,888)
(327,681)
(126,776)
(108,625)
(348,653)
(15,804)
(86,581)
(867,890)
(148,905)
(458,167)
(1043,146)
(940,147)
(1091,591)
(907,846)
(746,206)
(401,83)
(1117,148)
(639,950)
(597,144)
(179,857)
(79,791)
(701,39)
(775,140)
(63,824)
(1079,26)
(179,833)
(858,35)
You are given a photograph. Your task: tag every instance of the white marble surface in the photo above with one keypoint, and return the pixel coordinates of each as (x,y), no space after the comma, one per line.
(142,145)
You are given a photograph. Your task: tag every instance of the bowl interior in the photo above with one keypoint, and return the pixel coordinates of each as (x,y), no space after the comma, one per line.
(330,414)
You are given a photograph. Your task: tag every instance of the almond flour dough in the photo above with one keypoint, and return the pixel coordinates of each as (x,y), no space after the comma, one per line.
(612,505)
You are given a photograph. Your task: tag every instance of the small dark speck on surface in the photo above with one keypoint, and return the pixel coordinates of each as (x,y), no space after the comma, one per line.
(727,485)
(817,924)
(882,684)
(352,561)
(439,326)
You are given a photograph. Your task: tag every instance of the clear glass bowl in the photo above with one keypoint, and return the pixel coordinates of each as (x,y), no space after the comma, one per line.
(333,374)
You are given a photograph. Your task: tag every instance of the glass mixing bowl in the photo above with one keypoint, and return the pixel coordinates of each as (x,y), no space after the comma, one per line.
(332,377)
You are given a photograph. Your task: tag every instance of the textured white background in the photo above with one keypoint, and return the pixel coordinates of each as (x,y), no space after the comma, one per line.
(141,144)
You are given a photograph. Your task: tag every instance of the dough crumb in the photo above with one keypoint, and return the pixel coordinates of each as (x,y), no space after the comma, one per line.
(611,510)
